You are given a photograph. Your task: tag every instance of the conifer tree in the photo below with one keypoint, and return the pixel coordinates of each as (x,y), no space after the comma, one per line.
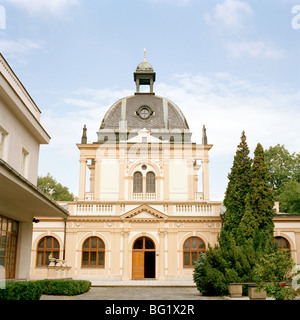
(260,195)
(238,187)
(248,222)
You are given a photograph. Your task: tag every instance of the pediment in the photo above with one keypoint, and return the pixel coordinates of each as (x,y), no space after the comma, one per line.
(144,212)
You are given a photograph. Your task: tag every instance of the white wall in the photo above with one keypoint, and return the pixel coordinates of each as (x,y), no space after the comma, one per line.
(18,138)
(109,180)
(178,179)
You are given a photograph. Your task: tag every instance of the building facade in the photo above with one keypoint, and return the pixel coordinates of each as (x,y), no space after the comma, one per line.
(143,209)
(21,135)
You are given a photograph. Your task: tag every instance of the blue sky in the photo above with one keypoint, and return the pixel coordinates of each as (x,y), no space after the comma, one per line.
(232,65)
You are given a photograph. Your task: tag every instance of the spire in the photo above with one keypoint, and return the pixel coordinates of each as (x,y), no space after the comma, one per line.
(204,136)
(84,136)
(144,55)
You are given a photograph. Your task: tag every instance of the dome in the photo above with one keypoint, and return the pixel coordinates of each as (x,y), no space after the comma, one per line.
(144,67)
(145,111)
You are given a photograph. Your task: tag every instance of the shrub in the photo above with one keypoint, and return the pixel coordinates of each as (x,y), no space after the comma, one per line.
(33,290)
(64,287)
(274,273)
(21,291)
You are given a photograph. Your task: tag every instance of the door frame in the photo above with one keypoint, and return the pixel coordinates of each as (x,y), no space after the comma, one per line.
(142,250)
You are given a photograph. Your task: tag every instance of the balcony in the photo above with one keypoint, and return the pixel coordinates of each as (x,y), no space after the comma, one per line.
(144,196)
(94,209)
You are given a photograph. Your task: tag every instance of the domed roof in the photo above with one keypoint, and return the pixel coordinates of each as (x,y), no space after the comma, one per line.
(145,111)
(144,67)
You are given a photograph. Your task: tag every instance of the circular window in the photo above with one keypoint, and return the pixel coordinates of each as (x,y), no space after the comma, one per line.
(144,167)
(144,113)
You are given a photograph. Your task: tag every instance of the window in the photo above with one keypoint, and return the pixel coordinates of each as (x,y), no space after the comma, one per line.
(191,251)
(137,182)
(47,246)
(282,243)
(8,245)
(144,112)
(93,251)
(150,182)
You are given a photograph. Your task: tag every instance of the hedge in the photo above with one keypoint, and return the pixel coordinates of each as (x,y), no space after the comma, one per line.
(21,291)
(33,290)
(64,287)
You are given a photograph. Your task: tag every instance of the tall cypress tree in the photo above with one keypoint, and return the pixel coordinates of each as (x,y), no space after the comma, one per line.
(260,195)
(238,187)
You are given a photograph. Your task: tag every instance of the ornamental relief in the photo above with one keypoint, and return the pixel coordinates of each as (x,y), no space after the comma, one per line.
(75,224)
(111,224)
(207,224)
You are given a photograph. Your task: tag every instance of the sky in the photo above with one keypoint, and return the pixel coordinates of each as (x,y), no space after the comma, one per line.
(231,65)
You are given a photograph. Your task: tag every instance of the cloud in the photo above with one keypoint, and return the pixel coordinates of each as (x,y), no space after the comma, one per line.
(231,15)
(254,49)
(227,105)
(52,7)
(19,50)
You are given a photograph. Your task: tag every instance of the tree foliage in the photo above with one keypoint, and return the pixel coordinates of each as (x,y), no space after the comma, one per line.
(238,187)
(282,166)
(248,228)
(53,189)
(260,195)
(289,197)
(284,169)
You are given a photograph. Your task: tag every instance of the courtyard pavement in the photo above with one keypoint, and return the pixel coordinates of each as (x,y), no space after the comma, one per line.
(140,290)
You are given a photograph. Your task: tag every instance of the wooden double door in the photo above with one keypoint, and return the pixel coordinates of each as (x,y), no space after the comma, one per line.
(143,259)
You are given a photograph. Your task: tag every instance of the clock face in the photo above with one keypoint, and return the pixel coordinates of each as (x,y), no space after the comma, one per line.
(144,113)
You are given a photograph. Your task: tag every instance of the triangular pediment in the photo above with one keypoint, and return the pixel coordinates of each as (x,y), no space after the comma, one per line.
(144,212)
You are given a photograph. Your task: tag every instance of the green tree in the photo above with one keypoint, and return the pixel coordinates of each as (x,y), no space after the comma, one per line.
(289,197)
(282,166)
(260,195)
(238,187)
(54,189)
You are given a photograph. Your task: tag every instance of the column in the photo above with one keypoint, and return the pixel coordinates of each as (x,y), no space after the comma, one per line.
(161,274)
(125,275)
(205,180)
(82,178)
(97,179)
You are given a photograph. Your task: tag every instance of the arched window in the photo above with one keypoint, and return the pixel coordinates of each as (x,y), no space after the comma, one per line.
(47,246)
(150,182)
(282,243)
(191,251)
(137,182)
(93,251)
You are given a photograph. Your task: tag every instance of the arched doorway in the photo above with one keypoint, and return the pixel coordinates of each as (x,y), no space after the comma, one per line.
(143,258)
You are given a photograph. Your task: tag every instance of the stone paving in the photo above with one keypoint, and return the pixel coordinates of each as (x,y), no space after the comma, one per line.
(139,290)
(137,293)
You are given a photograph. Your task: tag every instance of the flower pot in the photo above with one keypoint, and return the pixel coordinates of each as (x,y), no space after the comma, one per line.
(254,295)
(235,290)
